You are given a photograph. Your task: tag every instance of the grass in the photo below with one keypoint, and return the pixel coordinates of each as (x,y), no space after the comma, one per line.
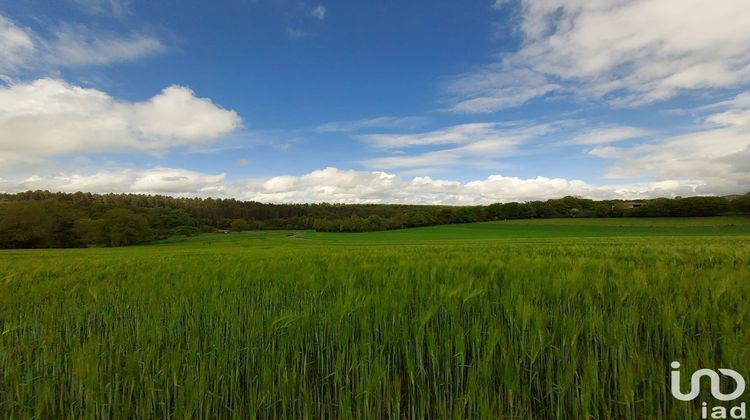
(523,319)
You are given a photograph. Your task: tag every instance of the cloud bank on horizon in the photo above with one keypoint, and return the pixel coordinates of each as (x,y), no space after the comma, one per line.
(605,99)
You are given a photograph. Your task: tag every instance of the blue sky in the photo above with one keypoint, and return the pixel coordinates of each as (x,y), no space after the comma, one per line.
(347,101)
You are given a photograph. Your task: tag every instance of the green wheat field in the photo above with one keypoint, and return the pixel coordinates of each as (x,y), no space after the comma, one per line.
(520,319)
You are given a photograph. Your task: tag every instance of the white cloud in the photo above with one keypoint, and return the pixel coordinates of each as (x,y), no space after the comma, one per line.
(740,101)
(319,12)
(49,117)
(9,159)
(439,159)
(629,51)
(16,46)
(117,8)
(335,185)
(371,123)
(167,180)
(498,86)
(471,142)
(68,46)
(605,135)
(476,143)
(77,46)
(714,154)
(176,116)
(348,186)
(156,181)
(457,134)
(497,188)
(329,184)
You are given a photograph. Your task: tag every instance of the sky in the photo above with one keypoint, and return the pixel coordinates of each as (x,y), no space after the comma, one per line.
(446,102)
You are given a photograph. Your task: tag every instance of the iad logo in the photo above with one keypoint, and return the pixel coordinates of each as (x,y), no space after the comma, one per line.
(738,412)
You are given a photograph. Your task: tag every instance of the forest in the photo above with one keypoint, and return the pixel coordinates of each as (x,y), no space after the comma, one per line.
(42,219)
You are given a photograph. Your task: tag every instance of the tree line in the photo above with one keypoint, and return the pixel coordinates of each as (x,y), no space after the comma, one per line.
(42,219)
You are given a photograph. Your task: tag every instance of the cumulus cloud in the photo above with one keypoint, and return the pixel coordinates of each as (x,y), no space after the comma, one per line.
(50,117)
(329,184)
(497,188)
(22,49)
(348,186)
(167,180)
(341,186)
(156,180)
(630,52)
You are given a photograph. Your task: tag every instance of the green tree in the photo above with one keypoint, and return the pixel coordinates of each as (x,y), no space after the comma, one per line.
(63,225)
(121,227)
(185,231)
(87,231)
(25,224)
(238,225)
(375,222)
(741,204)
